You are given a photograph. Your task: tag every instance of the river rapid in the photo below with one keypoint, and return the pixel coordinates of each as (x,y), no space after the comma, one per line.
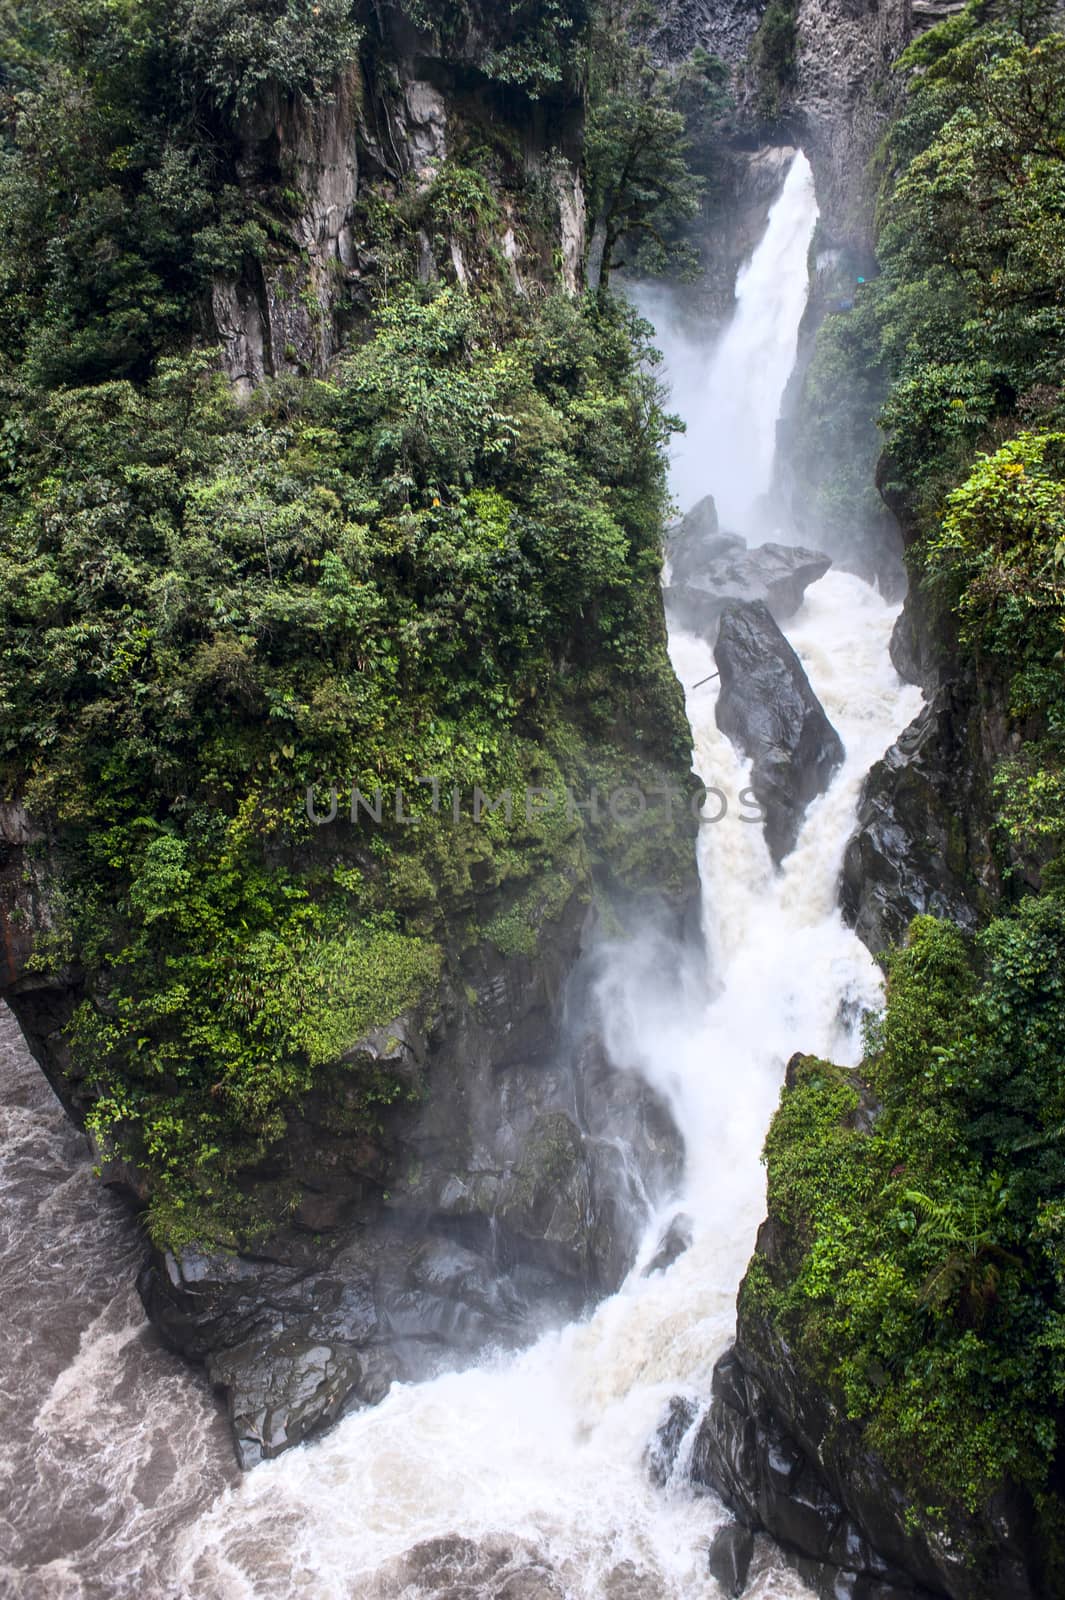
(524,1477)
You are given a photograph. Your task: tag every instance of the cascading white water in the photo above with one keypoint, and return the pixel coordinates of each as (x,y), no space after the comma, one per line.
(525,1478)
(731,401)
(538,1460)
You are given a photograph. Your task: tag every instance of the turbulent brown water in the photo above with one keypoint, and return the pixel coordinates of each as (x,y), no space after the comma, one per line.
(109,1443)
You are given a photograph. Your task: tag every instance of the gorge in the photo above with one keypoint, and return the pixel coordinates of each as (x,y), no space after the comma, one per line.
(435,1148)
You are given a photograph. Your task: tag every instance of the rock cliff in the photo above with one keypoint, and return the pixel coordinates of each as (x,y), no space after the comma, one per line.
(475,1164)
(398,113)
(778,1448)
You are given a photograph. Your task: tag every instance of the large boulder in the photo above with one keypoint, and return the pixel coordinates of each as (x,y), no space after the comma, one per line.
(696,528)
(708,577)
(709,568)
(768,710)
(730,1558)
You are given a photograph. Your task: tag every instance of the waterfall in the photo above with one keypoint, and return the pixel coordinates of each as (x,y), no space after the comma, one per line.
(730,398)
(526,1476)
(537,1462)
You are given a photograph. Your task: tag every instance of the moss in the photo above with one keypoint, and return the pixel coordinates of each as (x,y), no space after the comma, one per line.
(906,1271)
(364,980)
(774,55)
(519,929)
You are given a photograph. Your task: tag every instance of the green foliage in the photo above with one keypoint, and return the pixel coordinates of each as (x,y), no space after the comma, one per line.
(971,241)
(925,1277)
(119,174)
(774,55)
(533,45)
(235,50)
(999,561)
(641,122)
(424,567)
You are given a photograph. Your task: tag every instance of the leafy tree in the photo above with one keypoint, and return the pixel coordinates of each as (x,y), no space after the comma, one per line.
(638,145)
(432,563)
(119,178)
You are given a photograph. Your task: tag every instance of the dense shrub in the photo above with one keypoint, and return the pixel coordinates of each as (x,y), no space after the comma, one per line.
(205,608)
(929,1281)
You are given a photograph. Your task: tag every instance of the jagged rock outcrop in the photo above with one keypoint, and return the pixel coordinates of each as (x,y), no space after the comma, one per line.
(505,1190)
(392,119)
(724,28)
(282,317)
(505,1182)
(688,537)
(778,1451)
(709,569)
(844,96)
(777,1447)
(924,835)
(768,710)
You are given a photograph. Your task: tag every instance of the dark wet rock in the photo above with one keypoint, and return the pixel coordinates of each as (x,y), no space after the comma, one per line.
(919,844)
(778,1449)
(518,1191)
(664,1448)
(708,573)
(730,1558)
(278,1391)
(768,710)
(673,1243)
(507,1190)
(908,654)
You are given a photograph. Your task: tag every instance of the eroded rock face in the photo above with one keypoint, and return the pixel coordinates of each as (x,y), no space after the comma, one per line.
(779,1451)
(844,97)
(378,129)
(282,317)
(725,570)
(768,710)
(506,1188)
(777,1447)
(509,1193)
(724,28)
(922,843)
(708,569)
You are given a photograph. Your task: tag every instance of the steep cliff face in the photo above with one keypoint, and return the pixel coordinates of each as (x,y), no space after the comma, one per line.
(843,98)
(398,114)
(778,1444)
(924,841)
(471,1162)
(503,1179)
(500,1194)
(824,80)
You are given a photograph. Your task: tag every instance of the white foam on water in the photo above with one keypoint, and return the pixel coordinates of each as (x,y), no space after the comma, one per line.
(533,1465)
